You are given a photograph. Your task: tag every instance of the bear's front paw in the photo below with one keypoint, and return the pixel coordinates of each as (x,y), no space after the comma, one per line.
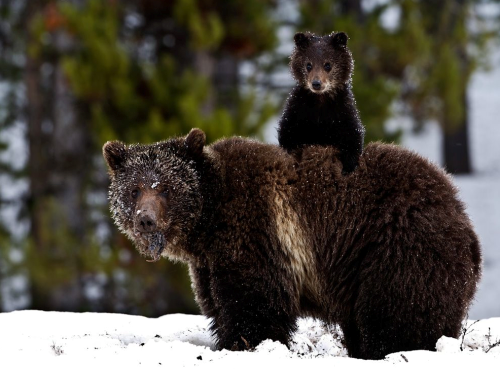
(348,166)
(240,344)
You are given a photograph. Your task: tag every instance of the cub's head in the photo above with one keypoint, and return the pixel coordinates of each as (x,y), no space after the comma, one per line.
(321,63)
(155,192)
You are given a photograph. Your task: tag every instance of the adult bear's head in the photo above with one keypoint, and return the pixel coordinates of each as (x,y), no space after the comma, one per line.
(155,194)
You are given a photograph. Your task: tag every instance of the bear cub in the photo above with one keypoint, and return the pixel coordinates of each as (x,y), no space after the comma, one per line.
(321,109)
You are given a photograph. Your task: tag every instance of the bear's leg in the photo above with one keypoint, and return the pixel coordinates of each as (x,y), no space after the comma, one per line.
(352,338)
(393,323)
(407,300)
(200,279)
(251,309)
(382,336)
(371,338)
(349,162)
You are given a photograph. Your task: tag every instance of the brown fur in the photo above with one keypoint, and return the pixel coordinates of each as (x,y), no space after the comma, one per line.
(387,252)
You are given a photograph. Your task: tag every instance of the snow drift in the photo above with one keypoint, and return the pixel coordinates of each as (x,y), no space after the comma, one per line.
(57,340)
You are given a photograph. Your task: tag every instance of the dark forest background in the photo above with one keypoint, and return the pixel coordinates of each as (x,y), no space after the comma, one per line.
(74,74)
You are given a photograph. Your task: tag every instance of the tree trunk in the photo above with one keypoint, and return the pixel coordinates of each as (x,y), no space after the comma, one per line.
(456,143)
(448,27)
(226,81)
(456,136)
(58,170)
(352,7)
(36,161)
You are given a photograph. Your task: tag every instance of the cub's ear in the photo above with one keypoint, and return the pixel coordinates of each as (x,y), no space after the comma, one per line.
(301,40)
(339,38)
(114,153)
(195,141)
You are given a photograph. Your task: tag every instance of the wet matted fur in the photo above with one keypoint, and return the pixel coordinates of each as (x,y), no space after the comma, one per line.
(387,252)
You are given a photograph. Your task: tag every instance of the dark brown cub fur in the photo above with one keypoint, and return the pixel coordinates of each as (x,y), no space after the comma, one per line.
(387,252)
(321,109)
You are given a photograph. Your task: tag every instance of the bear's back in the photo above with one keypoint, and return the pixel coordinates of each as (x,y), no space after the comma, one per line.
(391,187)
(253,165)
(397,211)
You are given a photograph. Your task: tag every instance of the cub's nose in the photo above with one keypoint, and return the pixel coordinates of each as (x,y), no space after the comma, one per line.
(316,85)
(145,223)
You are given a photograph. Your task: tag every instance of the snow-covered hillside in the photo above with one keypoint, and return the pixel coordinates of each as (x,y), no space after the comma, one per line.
(64,340)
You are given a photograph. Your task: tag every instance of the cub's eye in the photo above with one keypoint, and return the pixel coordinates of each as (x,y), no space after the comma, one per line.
(309,67)
(164,192)
(327,67)
(135,193)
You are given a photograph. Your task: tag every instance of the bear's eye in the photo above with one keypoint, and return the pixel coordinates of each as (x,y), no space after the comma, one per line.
(135,193)
(327,67)
(309,67)
(164,192)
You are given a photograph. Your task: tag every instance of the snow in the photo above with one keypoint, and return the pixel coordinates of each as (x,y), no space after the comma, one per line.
(61,340)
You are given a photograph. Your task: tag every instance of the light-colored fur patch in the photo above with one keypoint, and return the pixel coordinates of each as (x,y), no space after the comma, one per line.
(296,246)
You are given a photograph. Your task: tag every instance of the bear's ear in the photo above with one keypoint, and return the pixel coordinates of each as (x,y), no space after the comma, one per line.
(114,153)
(339,39)
(301,40)
(195,141)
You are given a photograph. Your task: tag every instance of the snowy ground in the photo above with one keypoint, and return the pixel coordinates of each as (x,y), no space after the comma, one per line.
(62,340)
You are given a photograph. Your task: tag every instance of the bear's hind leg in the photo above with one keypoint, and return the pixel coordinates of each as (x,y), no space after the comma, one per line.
(351,338)
(393,322)
(386,336)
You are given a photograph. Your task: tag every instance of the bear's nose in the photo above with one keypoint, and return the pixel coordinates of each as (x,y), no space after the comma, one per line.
(316,84)
(145,223)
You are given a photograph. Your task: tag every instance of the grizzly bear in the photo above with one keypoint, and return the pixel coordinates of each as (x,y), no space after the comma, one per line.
(321,109)
(386,252)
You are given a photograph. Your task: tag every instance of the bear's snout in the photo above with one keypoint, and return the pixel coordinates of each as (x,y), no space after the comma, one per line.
(149,213)
(145,222)
(316,84)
